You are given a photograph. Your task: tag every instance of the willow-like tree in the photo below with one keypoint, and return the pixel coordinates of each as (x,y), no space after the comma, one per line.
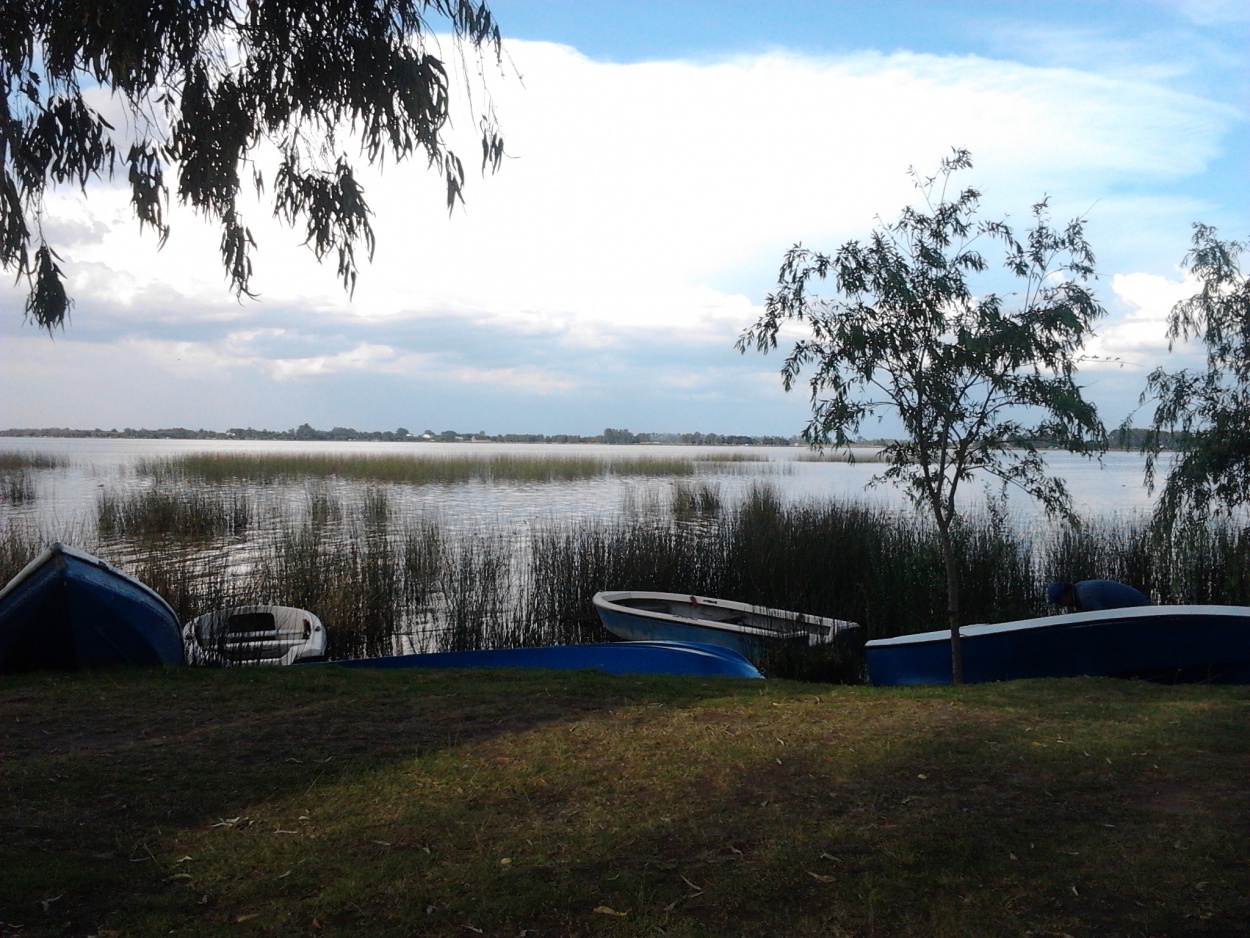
(1207,411)
(978,380)
(204,86)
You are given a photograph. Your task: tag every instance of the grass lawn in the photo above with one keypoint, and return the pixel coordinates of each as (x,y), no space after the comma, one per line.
(328,801)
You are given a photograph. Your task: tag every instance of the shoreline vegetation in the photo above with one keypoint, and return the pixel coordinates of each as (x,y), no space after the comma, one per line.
(417,469)
(307,433)
(383,574)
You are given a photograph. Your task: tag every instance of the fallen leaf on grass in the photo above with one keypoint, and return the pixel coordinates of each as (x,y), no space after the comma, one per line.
(821,878)
(604,910)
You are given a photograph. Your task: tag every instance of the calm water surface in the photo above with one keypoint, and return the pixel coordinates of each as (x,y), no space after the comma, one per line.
(66,498)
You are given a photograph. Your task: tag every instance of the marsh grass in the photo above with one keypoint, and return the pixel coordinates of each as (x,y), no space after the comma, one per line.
(17,486)
(16,460)
(384,579)
(320,800)
(695,500)
(17,474)
(840,456)
(188,512)
(265,468)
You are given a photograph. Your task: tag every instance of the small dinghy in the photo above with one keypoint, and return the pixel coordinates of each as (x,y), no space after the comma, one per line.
(635,615)
(67,610)
(255,635)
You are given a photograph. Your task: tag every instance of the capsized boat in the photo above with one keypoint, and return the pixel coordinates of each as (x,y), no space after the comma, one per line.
(67,610)
(255,635)
(1177,644)
(686,658)
(637,615)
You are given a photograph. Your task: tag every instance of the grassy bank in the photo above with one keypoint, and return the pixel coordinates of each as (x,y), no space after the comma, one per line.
(327,802)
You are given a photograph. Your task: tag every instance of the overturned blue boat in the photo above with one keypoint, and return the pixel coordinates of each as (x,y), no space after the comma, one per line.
(67,610)
(684,658)
(1173,644)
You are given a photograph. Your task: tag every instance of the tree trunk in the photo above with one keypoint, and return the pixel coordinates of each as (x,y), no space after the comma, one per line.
(951,563)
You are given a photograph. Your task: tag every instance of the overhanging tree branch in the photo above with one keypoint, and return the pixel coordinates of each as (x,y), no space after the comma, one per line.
(204,85)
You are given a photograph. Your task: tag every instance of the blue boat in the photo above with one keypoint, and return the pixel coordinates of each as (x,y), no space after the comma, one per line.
(67,610)
(638,615)
(613,657)
(1176,644)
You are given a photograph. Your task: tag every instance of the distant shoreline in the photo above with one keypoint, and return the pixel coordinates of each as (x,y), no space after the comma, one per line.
(306,433)
(1129,440)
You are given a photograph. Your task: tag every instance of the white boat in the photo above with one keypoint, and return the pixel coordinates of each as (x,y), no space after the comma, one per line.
(255,635)
(636,615)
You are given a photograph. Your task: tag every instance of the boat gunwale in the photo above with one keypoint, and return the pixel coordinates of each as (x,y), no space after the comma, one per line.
(81,556)
(1063,620)
(610,599)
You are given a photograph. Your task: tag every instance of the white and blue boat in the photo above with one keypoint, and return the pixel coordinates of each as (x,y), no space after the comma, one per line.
(679,658)
(67,610)
(263,634)
(1175,644)
(637,615)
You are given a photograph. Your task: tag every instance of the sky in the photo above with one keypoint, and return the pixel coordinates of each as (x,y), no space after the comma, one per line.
(662,158)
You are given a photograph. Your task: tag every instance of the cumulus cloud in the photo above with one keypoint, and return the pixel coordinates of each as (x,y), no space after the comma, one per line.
(633,232)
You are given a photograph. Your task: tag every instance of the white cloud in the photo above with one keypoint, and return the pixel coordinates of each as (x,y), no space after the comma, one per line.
(1138,338)
(644,203)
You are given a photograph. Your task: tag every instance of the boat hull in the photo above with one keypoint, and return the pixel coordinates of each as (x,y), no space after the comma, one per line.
(1178,644)
(67,611)
(611,657)
(749,630)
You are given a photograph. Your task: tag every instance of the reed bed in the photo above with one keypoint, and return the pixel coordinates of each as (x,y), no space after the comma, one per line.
(723,457)
(384,580)
(17,474)
(840,456)
(12,460)
(17,486)
(184,511)
(404,469)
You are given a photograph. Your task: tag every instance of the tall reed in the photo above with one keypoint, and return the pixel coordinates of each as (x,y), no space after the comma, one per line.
(17,486)
(11,460)
(265,468)
(191,512)
(383,580)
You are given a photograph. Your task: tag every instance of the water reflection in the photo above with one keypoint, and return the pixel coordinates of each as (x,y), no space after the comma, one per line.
(65,498)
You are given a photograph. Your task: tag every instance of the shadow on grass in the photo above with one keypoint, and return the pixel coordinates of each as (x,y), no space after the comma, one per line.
(430,802)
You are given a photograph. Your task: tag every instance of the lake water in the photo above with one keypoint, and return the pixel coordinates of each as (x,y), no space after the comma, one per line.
(484,528)
(66,497)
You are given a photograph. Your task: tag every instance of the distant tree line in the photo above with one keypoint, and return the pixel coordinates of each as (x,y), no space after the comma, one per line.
(306,432)
(1126,438)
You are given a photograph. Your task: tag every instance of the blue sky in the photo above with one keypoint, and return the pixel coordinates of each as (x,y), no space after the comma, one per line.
(663,156)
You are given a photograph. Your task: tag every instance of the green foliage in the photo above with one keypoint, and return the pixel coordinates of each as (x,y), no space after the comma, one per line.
(205,86)
(965,370)
(1210,409)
